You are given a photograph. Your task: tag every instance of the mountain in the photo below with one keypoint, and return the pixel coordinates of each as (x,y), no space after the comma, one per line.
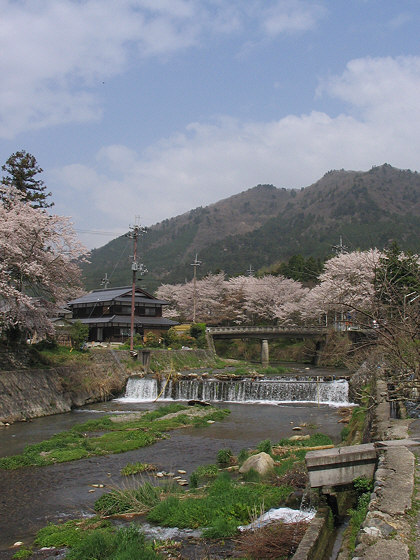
(265,225)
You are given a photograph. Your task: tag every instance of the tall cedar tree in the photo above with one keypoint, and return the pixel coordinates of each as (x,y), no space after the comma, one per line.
(21,169)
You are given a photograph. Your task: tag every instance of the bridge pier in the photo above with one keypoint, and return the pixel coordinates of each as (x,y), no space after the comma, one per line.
(319,347)
(265,356)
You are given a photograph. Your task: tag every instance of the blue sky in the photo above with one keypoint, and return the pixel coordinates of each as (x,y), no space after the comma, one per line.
(152,107)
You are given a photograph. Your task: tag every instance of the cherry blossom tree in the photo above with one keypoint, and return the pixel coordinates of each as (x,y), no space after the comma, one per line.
(346,290)
(37,265)
(239,300)
(209,299)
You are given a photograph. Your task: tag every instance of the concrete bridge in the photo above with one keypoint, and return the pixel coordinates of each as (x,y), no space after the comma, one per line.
(269,332)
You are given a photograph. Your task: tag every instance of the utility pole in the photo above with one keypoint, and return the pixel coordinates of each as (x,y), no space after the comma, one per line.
(250,272)
(134,234)
(195,264)
(105,281)
(340,248)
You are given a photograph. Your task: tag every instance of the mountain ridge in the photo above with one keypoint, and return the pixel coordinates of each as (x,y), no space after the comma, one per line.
(264,225)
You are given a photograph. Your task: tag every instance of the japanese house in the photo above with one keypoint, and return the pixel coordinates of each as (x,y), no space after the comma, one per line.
(108,314)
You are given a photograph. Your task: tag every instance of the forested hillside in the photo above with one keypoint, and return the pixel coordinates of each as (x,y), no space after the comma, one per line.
(266,225)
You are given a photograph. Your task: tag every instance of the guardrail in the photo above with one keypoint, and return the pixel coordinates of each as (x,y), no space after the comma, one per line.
(266,330)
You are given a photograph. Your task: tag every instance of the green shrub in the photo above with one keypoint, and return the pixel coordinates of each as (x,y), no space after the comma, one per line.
(363,484)
(224,457)
(152,340)
(79,334)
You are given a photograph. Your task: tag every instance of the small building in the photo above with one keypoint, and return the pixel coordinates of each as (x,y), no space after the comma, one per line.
(107,312)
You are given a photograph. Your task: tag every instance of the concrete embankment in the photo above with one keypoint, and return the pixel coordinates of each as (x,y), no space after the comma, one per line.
(30,393)
(391,530)
(388,531)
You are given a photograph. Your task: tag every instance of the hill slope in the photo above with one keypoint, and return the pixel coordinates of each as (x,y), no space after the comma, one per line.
(264,225)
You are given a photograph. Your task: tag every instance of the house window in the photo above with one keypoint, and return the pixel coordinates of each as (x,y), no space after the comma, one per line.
(150,311)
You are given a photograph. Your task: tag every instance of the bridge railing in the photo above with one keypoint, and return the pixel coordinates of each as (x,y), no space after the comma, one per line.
(266,329)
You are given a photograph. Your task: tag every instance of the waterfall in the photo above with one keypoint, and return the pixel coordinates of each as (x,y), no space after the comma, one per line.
(269,391)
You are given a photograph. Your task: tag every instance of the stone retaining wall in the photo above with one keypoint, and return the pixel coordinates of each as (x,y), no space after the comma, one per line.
(385,533)
(316,542)
(30,393)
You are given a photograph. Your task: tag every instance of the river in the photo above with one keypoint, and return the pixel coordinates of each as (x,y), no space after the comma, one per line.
(32,497)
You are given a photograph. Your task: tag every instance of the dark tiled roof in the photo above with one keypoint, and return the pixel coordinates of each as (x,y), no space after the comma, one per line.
(116,294)
(126,320)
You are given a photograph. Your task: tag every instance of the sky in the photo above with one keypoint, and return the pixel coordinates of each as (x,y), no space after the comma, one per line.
(140,110)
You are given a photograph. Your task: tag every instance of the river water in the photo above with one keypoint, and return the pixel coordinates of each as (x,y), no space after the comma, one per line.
(32,497)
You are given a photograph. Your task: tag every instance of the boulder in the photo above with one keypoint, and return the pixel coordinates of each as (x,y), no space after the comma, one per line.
(262,463)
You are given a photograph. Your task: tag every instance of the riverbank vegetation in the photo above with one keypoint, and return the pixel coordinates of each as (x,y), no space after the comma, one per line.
(217,502)
(96,539)
(111,435)
(354,432)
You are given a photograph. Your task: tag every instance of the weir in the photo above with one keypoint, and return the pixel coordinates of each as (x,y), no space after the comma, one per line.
(284,390)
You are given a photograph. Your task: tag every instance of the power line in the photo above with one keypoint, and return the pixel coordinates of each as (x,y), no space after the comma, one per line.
(100,232)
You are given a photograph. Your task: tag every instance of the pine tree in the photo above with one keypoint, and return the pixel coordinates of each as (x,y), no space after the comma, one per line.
(22,169)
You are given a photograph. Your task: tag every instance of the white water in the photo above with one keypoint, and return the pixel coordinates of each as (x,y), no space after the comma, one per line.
(265,391)
(286,515)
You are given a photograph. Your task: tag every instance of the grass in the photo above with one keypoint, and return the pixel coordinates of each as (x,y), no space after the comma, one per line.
(357,516)
(137,468)
(273,370)
(83,440)
(219,507)
(70,533)
(138,500)
(57,355)
(22,554)
(225,505)
(246,369)
(204,473)
(352,434)
(183,360)
(96,540)
(315,440)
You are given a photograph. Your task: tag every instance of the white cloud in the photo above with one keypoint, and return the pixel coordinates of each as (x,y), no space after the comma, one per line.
(54,53)
(291,16)
(210,161)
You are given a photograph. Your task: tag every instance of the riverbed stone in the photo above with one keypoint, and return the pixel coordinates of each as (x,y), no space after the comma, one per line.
(299,438)
(262,463)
